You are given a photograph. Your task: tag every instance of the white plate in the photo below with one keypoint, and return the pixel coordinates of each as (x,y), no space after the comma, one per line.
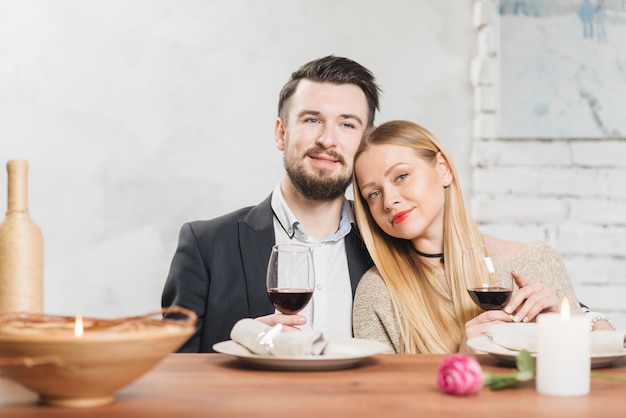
(505,355)
(343,353)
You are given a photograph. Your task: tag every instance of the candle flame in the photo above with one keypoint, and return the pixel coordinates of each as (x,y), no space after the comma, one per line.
(78,326)
(565,309)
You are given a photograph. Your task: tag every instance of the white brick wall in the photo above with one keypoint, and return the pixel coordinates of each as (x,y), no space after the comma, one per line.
(570,193)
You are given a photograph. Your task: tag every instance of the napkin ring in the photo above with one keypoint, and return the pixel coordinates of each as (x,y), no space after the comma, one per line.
(267,337)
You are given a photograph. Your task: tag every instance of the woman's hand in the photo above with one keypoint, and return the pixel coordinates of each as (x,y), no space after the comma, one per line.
(530,300)
(476,327)
(290,322)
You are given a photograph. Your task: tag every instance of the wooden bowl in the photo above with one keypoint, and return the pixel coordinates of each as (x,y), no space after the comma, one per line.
(42,353)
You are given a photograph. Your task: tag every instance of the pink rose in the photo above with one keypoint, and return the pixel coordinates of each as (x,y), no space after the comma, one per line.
(460,375)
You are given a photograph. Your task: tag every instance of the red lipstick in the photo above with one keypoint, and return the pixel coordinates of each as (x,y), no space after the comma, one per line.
(400,216)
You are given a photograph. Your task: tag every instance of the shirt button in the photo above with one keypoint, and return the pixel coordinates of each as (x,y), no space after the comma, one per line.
(319,287)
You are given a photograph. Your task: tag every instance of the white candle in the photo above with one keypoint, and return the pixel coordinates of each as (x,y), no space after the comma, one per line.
(563,353)
(78,326)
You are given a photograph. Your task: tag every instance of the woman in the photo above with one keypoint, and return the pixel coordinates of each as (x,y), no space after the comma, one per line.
(412,217)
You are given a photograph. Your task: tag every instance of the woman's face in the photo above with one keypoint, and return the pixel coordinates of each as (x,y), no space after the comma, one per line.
(404,192)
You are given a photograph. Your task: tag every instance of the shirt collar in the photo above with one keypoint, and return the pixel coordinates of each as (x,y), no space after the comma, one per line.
(292,226)
(283,214)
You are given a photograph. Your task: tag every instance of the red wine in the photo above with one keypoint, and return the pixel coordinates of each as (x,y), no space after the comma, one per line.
(490,298)
(290,301)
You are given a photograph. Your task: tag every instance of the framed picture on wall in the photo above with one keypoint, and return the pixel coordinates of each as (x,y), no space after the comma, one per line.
(562,68)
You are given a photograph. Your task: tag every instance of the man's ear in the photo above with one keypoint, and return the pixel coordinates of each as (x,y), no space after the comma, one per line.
(279,134)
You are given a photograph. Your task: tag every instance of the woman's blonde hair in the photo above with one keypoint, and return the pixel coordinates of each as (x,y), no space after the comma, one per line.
(432,310)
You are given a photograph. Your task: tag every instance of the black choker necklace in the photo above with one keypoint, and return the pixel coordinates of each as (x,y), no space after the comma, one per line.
(440,255)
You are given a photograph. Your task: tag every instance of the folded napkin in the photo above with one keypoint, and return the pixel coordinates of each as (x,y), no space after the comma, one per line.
(263,339)
(608,342)
(518,336)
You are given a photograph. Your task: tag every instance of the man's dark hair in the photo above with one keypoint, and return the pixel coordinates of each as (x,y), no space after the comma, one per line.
(335,70)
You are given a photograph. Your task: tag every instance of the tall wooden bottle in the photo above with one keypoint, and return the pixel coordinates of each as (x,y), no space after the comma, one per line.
(21,248)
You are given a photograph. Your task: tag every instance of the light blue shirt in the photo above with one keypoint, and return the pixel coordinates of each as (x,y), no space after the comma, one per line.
(330,309)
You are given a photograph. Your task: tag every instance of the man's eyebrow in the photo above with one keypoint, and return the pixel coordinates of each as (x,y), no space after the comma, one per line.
(342,116)
(351,116)
(309,113)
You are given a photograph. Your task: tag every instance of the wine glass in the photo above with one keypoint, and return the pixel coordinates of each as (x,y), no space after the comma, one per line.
(290,277)
(488,276)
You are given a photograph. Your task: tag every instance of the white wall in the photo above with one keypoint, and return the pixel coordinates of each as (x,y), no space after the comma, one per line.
(138,115)
(565,190)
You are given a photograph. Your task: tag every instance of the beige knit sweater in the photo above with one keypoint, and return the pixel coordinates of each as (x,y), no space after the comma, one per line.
(373,317)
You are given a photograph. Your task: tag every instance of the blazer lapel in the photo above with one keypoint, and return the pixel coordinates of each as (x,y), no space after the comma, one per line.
(359,260)
(256,238)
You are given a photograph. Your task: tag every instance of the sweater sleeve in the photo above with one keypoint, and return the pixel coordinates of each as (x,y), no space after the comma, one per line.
(372,316)
(541,263)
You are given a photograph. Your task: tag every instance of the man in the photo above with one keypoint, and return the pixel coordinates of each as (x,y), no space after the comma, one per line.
(219,267)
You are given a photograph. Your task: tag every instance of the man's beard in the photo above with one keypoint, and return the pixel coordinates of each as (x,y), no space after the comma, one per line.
(316,187)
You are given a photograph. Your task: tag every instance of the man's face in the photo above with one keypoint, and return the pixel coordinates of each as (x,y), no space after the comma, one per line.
(322,131)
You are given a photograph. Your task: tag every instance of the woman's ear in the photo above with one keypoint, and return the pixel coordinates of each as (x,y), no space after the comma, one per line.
(444,170)
(279,134)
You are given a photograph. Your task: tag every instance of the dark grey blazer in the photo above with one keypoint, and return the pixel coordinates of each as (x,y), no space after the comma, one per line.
(218,271)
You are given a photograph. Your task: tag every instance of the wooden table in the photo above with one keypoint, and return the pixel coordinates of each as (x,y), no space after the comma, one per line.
(217,385)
